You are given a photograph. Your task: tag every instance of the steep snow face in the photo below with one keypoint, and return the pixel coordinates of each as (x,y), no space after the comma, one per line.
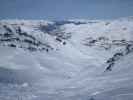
(66,60)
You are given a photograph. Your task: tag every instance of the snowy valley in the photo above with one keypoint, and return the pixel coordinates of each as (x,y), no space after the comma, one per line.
(66,60)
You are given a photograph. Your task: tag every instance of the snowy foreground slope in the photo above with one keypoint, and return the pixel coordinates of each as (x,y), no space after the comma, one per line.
(66,60)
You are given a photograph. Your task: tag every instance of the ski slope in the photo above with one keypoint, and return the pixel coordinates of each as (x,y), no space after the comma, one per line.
(66,60)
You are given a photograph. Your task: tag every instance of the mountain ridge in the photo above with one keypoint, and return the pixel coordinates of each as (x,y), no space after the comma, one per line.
(71,59)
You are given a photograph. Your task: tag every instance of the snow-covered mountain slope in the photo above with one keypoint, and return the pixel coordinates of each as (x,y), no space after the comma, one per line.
(66,60)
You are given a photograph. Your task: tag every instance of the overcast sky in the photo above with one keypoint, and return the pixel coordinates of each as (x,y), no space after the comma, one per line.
(65,9)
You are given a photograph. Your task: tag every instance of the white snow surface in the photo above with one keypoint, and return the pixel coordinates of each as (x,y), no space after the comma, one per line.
(74,71)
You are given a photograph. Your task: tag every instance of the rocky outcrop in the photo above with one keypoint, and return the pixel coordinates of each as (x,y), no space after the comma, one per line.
(20,39)
(125,46)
